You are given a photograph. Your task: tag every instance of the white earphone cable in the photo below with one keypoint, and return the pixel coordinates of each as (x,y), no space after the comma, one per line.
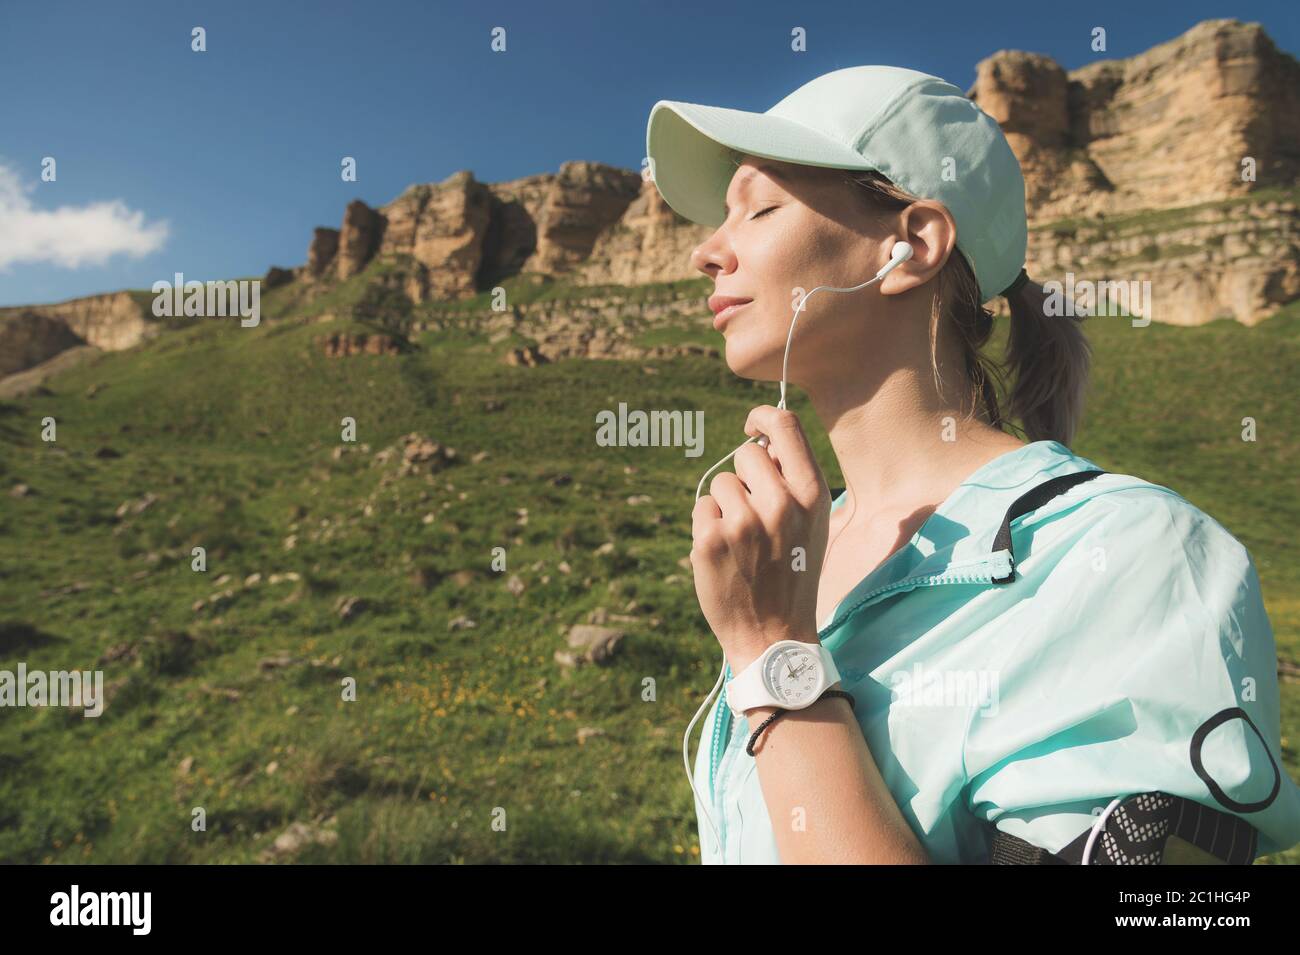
(1098,827)
(900,253)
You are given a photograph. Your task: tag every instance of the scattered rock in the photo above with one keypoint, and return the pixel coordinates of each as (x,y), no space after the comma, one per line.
(344,345)
(529,356)
(349,607)
(587,732)
(138,506)
(280,659)
(21,490)
(593,644)
(296,837)
(461,623)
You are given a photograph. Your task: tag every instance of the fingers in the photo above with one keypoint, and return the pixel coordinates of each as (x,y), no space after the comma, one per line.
(706,518)
(726,505)
(767,489)
(732,498)
(798,466)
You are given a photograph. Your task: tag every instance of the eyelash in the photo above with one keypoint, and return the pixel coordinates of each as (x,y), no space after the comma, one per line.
(762,213)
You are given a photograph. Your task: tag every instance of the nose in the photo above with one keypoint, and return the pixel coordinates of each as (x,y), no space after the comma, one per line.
(712,256)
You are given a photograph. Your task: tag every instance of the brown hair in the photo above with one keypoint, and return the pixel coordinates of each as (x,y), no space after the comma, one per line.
(1048,356)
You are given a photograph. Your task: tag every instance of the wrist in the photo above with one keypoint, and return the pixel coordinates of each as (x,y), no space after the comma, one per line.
(756,715)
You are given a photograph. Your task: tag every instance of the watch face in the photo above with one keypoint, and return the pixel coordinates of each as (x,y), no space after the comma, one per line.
(793,675)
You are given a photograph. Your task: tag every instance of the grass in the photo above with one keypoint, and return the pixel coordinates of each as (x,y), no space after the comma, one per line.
(238,709)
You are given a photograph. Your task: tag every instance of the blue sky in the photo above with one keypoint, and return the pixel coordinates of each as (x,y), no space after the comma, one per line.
(234,153)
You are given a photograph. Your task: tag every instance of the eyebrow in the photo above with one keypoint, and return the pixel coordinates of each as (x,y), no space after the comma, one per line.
(772,171)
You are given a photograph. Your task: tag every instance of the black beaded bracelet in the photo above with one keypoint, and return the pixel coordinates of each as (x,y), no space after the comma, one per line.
(749,747)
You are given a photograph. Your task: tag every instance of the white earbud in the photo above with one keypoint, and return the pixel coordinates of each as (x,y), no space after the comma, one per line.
(901,252)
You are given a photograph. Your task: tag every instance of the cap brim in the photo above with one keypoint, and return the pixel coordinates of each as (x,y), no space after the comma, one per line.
(689,146)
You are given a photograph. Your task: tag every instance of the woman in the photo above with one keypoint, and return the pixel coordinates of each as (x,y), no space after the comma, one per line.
(988,649)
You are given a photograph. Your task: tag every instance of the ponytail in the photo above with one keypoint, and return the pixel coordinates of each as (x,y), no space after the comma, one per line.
(1048,357)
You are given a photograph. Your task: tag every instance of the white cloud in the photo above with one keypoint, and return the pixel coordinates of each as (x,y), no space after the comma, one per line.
(70,236)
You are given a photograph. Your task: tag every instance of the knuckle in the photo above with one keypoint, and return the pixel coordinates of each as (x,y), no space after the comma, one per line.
(708,543)
(738,530)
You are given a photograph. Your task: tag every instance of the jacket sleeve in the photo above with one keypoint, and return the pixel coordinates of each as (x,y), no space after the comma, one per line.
(1142,662)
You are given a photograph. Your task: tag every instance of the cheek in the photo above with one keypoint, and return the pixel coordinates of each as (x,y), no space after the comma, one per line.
(755,341)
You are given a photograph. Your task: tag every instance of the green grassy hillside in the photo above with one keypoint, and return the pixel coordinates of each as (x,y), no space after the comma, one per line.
(225,437)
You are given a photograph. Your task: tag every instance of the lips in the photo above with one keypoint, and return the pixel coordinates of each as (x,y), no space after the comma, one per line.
(720,319)
(724,306)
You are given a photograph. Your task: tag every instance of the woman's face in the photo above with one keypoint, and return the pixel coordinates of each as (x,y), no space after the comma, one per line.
(790,228)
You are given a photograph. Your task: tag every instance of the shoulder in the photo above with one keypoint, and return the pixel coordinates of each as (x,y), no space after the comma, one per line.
(1141,546)
(1136,518)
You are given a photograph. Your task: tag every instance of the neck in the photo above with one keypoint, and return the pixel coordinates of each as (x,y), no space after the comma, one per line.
(901,444)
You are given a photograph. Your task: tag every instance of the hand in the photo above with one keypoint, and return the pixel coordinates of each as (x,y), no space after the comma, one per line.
(746,531)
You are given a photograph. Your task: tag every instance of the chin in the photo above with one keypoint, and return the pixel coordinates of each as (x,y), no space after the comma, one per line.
(754,357)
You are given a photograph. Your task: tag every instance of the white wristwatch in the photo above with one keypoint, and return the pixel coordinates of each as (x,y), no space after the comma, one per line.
(790,674)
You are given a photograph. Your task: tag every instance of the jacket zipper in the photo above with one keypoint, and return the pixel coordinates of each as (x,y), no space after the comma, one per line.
(981,571)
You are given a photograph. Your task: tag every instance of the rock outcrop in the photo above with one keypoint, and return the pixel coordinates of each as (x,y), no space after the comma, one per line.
(29,337)
(1179,167)
(344,345)
(363,229)
(1170,127)
(34,333)
(320,254)
(442,228)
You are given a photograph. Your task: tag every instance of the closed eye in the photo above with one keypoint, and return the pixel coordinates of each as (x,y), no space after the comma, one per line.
(763,212)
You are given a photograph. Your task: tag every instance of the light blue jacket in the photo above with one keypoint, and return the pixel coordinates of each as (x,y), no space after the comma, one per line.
(1135,619)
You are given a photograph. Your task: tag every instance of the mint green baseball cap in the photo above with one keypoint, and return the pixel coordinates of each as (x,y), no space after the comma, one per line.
(917,130)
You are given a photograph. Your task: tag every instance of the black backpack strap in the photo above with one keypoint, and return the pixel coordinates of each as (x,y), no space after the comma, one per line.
(1152,828)
(1031,500)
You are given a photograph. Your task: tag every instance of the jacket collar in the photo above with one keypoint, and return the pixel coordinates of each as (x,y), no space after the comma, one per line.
(955,544)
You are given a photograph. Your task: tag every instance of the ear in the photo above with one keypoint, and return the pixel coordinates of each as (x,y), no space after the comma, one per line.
(932,232)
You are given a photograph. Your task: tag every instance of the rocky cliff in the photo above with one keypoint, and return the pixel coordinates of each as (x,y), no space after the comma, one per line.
(32,334)
(1134,172)
(1171,127)
(1133,169)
